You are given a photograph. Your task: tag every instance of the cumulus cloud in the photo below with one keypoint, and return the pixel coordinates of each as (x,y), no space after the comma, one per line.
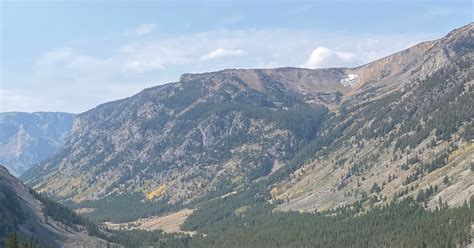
(144,29)
(322,57)
(221,52)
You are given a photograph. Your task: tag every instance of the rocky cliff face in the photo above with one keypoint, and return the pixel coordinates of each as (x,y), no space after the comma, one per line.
(211,132)
(384,130)
(28,138)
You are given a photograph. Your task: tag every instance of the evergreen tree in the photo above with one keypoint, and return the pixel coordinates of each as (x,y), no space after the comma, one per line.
(12,241)
(446,179)
(375,188)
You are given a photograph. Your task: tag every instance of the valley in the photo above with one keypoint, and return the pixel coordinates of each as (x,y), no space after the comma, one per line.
(368,156)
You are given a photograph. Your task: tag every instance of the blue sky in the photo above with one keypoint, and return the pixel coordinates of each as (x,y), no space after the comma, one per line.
(72,56)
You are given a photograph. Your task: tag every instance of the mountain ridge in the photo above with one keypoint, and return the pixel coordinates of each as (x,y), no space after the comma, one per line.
(27,217)
(216,133)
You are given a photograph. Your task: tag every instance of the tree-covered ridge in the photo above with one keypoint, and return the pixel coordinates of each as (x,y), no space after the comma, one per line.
(58,212)
(13,240)
(11,214)
(12,237)
(442,102)
(28,219)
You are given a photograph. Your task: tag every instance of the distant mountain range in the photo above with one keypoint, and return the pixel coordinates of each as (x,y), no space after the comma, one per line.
(28,138)
(307,140)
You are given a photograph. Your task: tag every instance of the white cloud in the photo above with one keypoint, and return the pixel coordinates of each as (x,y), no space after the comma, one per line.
(78,78)
(144,29)
(322,57)
(156,56)
(20,100)
(48,60)
(221,52)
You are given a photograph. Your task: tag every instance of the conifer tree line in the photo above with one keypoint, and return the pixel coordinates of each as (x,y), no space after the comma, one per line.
(404,223)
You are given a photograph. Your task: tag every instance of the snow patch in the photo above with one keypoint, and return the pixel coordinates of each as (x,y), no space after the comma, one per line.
(349,80)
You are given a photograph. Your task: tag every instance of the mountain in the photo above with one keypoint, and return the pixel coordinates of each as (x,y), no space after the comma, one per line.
(406,130)
(206,135)
(28,138)
(25,212)
(299,138)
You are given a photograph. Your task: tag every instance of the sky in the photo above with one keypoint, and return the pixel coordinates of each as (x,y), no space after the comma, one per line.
(71,56)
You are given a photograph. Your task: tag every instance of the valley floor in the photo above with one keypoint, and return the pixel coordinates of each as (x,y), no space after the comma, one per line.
(169,223)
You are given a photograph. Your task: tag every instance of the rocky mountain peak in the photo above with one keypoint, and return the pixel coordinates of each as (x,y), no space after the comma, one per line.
(293,78)
(415,63)
(317,87)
